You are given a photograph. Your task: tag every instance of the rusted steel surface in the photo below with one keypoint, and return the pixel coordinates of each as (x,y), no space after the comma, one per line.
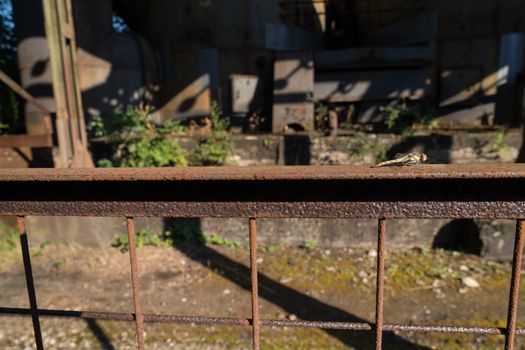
(261,173)
(139,317)
(515,285)
(301,209)
(254,282)
(491,191)
(24,243)
(353,326)
(380,282)
(17,141)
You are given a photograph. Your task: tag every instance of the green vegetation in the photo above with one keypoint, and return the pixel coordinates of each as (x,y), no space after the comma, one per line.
(401,119)
(321,111)
(498,144)
(215,147)
(3,127)
(39,249)
(10,246)
(309,245)
(418,268)
(221,241)
(177,234)
(9,240)
(145,237)
(270,248)
(141,142)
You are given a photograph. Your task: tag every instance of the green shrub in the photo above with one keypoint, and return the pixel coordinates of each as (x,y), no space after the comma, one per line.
(216,147)
(402,119)
(139,141)
(153,151)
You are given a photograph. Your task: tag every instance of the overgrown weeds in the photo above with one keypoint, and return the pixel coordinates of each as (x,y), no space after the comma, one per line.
(178,234)
(402,119)
(139,141)
(216,145)
(9,240)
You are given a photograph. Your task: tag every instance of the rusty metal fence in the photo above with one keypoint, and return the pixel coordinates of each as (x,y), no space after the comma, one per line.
(434,191)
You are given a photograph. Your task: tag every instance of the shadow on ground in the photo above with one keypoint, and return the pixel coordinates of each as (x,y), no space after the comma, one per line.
(100,334)
(294,302)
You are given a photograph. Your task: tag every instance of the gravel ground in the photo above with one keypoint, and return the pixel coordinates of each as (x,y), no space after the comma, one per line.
(422,286)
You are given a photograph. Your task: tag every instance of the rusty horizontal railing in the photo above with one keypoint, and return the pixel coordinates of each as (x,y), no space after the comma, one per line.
(432,191)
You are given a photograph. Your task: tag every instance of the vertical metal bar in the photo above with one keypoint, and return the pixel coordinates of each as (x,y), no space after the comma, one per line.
(255,293)
(29,281)
(515,285)
(139,316)
(380,281)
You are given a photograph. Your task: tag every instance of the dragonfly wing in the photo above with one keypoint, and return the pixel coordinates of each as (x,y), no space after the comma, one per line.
(399,155)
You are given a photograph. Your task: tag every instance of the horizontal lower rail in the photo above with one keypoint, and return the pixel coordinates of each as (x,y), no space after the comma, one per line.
(353,326)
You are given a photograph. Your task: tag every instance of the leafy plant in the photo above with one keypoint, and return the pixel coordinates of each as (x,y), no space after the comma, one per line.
(39,249)
(9,239)
(140,141)
(178,233)
(393,114)
(216,147)
(145,237)
(430,122)
(309,245)
(153,151)
(399,118)
(498,144)
(105,163)
(321,115)
(222,241)
(3,127)
(97,126)
(321,111)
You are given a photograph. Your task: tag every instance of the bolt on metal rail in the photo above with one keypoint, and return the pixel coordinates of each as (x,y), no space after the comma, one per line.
(431,191)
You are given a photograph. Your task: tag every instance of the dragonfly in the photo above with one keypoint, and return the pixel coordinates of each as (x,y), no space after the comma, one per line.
(413,158)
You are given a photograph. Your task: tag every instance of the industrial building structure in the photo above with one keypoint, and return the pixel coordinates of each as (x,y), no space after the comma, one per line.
(462,60)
